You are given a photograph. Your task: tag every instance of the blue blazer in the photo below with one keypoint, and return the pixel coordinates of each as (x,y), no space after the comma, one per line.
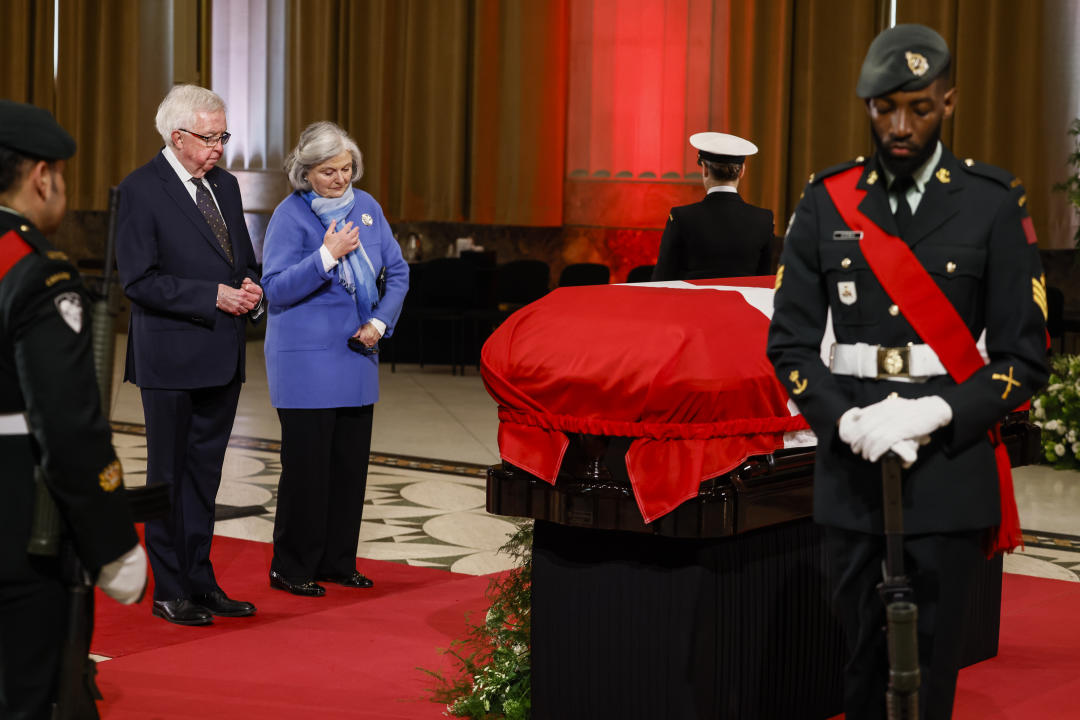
(170,265)
(310,315)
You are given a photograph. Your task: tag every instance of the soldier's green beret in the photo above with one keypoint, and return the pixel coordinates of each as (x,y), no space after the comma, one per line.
(905,58)
(34,132)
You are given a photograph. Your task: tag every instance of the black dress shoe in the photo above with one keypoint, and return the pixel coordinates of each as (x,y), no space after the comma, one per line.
(182,612)
(356,580)
(308,589)
(218,603)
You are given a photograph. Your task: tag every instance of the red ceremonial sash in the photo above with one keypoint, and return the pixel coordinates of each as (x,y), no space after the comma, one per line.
(935,320)
(12,249)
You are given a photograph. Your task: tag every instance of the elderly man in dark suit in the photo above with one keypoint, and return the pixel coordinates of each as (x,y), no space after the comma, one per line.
(186,263)
(723,235)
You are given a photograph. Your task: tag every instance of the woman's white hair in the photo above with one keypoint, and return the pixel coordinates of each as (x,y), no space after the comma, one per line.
(181,105)
(319,142)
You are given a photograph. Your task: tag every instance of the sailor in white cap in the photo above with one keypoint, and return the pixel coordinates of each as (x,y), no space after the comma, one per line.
(721,236)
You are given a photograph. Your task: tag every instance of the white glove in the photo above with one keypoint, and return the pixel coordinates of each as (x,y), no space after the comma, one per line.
(878,427)
(849,424)
(908,450)
(124,579)
(851,432)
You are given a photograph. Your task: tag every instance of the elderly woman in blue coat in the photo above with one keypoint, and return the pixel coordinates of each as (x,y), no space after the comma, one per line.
(335,281)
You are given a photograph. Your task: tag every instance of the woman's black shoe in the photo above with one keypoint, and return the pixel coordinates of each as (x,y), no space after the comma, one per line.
(356,580)
(308,589)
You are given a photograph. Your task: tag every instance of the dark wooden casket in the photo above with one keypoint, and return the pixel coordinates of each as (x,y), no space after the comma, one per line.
(718,608)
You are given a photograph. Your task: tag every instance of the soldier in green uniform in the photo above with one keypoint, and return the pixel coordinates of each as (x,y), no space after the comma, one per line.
(50,418)
(932,348)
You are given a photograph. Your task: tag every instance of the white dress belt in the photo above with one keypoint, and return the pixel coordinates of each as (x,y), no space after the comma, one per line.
(13,424)
(910,363)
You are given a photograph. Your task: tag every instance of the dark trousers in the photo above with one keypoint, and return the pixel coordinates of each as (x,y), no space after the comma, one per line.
(33,619)
(320,501)
(187,432)
(942,570)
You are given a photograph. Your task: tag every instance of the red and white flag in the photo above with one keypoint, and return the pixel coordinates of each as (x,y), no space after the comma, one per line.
(679,366)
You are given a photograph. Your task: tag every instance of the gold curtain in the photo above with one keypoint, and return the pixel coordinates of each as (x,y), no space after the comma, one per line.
(783,75)
(828,123)
(110,77)
(517,112)
(394,74)
(26,53)
(1007,60)
(789,84)
(458,106)
(752,75)
(1012,107)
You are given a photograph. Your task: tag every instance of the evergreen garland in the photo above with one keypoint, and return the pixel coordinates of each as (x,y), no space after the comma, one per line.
(492,677)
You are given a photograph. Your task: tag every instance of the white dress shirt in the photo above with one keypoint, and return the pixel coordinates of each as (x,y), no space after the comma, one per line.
(185,179)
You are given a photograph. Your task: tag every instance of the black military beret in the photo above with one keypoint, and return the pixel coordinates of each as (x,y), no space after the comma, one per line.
(905,57)
(34,132)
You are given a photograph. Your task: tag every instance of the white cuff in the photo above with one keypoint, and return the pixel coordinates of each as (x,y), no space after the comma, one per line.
(328,261)
(379,325)
(124,579)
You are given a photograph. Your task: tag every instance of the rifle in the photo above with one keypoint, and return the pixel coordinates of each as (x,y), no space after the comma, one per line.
(103,312)
(901,612)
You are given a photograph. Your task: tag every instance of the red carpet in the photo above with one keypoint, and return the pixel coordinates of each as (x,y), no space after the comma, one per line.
(350,654)
(356,653)
(1036,674)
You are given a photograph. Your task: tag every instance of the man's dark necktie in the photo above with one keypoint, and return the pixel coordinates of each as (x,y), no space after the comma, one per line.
(902,214)
(210,211)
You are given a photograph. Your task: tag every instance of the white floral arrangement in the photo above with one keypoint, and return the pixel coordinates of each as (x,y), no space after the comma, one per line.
(1057,411)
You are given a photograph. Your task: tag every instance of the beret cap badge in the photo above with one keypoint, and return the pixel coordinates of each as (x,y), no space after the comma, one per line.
(917,63)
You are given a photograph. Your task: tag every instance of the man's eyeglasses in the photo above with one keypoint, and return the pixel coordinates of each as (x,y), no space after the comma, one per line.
(210,140)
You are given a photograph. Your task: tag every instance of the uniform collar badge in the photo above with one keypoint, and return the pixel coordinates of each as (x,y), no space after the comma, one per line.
(943,175)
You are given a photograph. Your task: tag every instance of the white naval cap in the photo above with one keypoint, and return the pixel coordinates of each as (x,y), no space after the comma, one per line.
(721,147)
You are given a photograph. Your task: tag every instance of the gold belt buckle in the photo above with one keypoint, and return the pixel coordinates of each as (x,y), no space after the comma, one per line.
(893,362)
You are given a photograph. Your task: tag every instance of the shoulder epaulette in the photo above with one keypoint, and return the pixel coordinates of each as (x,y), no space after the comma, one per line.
(822,174)
(992,172)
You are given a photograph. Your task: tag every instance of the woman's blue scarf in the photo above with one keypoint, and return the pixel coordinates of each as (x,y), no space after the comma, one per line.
(351,271)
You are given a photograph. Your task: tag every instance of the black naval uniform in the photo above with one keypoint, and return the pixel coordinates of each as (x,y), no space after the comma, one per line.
(968,232)
(721,236)
(47,377)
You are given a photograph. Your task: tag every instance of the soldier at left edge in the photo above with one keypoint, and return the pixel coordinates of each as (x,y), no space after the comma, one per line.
(51,428)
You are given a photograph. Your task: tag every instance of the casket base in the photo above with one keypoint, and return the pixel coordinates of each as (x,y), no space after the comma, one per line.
(627,625)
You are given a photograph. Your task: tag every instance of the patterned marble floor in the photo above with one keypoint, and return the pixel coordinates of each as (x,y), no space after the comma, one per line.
(422,512)
(434,436)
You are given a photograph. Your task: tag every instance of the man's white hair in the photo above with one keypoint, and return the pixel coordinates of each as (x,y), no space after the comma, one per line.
(319,142)
(179,108)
